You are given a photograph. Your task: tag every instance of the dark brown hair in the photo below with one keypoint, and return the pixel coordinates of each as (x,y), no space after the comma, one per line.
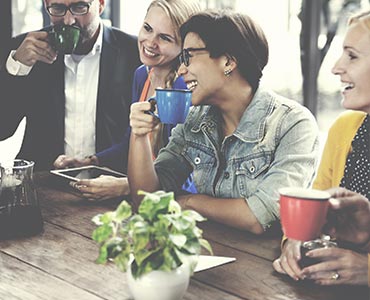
(234,35)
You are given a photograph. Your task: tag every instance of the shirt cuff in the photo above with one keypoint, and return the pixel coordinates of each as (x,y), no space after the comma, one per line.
(15,67)
(264,216)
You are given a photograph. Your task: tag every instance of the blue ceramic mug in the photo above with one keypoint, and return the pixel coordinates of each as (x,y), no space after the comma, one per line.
(173,105)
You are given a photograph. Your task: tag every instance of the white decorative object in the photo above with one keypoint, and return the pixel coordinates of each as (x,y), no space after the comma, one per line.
(160,285)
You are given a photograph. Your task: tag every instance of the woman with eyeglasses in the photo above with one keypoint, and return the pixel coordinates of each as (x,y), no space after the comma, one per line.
(159,45)
(241,141)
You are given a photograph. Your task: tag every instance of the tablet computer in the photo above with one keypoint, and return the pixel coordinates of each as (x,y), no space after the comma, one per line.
(86,172)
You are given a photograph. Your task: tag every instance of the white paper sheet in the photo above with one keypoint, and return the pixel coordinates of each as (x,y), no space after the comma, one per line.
(10,147)
(207,262)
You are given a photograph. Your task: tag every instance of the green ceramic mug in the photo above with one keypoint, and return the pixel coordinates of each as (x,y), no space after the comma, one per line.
(64,38)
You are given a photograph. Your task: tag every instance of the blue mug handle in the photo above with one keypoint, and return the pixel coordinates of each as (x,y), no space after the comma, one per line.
(152,102)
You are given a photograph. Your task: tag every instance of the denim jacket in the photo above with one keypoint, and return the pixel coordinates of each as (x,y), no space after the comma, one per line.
(275,145)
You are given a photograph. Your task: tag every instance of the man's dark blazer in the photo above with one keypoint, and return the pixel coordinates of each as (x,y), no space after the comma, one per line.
(40,97)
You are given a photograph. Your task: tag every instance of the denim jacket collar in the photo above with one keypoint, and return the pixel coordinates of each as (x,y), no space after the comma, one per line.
(250,128)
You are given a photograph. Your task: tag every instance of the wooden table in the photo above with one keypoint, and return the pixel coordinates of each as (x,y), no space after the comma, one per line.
(59,263)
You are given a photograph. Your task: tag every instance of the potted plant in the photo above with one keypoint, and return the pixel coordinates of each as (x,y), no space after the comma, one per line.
(157,246)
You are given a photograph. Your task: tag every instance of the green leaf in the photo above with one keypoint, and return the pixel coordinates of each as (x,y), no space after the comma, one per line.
(152,262)
(192,247)
(102,233)
(180,223)
(141,240)
(179,240)
(170,261)
(146,209)
(135,219)
(117,245)
(123,211)
(97,219)
(103,255)
(141,255)
(154,204)
(174,207)
(121,261)
(205,244)
(193,215)
(107,217)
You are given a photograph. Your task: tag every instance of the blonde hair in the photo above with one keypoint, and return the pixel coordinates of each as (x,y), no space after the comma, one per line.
(178,11)
(362,18)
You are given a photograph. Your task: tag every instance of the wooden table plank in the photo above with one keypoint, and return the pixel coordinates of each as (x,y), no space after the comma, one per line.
(20,281)
(251,277)
(200,291)
(70,257)
(265,246)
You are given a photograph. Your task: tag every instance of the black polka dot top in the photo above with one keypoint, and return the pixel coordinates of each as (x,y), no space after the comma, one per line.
(357,170)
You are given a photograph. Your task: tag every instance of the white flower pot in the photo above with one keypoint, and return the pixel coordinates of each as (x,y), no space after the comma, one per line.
(160,285)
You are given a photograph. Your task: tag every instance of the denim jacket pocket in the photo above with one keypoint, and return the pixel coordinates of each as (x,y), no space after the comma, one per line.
(203,162)
(248,169)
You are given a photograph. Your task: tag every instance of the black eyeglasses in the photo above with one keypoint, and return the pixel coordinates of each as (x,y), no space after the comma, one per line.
(77,9)
(185,55)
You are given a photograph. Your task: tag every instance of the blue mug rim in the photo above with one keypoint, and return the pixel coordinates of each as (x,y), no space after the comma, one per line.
(173,90)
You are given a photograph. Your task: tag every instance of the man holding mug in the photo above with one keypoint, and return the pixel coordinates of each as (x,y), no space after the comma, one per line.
(76,104)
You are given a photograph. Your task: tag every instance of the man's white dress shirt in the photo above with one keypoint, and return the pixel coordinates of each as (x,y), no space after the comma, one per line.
(81,75)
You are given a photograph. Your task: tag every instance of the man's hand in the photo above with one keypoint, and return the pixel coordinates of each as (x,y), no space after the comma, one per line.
(64,161)
(35,47)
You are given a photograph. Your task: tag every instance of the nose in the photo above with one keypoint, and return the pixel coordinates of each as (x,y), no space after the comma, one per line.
(337,69)
(182,70)
(68,18)
(151,40)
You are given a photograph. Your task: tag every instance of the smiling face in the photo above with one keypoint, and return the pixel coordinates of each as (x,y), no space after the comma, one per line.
(205,75)
(157,42)
(353,67)
(89,23)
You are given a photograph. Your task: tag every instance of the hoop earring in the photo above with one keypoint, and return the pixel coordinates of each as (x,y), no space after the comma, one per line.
(228,72)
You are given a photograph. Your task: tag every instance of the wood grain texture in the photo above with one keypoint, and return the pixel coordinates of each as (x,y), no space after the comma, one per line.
(21,281)
(60,262)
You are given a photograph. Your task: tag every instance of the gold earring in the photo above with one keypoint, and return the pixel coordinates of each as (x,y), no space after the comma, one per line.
(227,72)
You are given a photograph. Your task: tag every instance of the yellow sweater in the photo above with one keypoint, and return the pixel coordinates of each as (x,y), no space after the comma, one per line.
(337,147)
(334,157)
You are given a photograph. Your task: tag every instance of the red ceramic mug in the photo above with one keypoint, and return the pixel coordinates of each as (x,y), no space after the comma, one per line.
(303,212)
